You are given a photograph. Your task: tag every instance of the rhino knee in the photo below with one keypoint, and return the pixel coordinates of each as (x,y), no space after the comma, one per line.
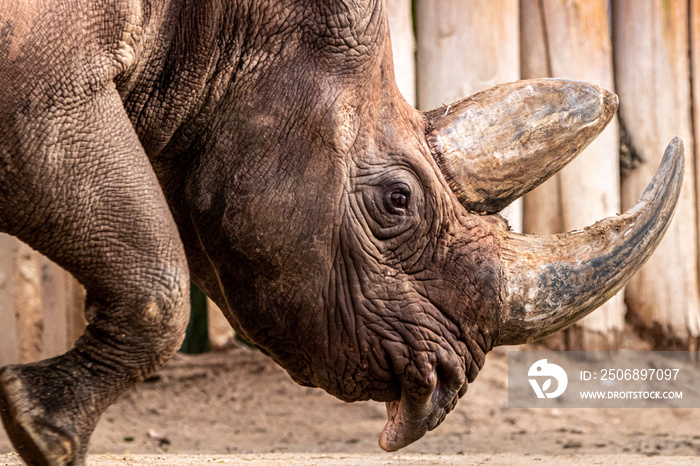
(148,316)
(166,315)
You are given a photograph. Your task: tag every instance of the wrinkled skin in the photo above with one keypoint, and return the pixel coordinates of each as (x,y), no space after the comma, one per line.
(377,298)
(265,148)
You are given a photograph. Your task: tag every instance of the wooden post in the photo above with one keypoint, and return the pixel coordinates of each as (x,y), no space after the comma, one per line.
(542,208)
(55,305)
(9,346)
(403,47)
(63,303)
(41,305)
(465,46)
(570,39)
(27,303)
(652,73)
(693,324)
(220,332)
(75,315)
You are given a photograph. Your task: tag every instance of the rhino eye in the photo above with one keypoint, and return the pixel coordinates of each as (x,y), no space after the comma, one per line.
(398,199)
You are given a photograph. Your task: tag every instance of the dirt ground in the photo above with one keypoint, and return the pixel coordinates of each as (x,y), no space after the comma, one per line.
(238,407)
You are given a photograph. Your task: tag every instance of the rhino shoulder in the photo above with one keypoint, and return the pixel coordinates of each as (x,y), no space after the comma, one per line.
(84,42)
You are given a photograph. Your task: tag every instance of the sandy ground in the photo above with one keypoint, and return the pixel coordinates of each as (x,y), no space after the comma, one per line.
(238,407)
(284,459)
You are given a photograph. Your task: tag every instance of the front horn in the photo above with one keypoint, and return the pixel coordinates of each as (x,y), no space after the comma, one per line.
(498,144)
(550,282)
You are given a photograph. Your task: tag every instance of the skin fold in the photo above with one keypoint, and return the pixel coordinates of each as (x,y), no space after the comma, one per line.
(263,150)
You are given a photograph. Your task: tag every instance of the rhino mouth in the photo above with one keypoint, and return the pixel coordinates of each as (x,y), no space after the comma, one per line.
(425,399)
(409,418)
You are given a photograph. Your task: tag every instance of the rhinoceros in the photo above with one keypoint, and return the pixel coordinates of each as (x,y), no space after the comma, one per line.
(263,149)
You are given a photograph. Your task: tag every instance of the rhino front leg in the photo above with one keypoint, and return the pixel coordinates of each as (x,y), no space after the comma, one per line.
(77,186)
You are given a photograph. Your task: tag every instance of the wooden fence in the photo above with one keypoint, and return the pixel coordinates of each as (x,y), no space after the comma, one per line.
(41,306)
(648,51)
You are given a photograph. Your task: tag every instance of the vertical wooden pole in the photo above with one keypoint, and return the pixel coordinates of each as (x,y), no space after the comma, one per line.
(465,46)
(652,73)
(220,332)
(570,39)
(27,304)
(9,345)
(403,47)
(75,314)
(63,302)
(55,305)
(693,324)
(41,305)
(542,208)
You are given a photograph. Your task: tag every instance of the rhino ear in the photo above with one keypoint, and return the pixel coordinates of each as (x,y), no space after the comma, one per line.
(498,144)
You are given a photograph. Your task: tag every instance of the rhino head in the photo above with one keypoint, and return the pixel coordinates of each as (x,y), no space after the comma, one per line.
(360,244)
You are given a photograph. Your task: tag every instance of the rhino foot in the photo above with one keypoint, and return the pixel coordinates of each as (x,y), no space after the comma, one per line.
(34,427)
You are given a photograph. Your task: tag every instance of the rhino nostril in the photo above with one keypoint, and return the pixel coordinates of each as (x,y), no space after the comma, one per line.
(450,384)
(437,419)
(453,404)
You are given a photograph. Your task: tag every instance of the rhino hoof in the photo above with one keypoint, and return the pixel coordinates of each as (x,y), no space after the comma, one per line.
(38,441)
